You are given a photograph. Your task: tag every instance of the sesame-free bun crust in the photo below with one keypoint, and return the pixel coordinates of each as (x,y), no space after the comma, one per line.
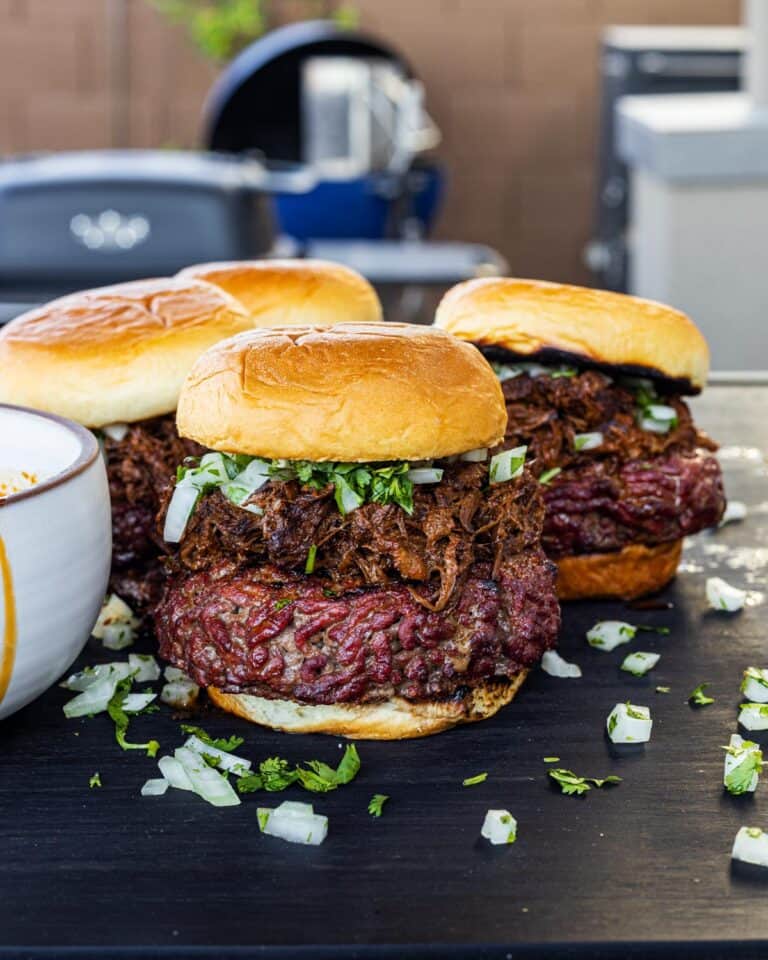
(396,719)
(281,293)
(114,354)
(629,573)
(351,392)
(527,317)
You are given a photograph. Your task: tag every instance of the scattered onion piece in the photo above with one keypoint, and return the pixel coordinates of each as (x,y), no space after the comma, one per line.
(553,664)
(499,827)
(751,846)
(155,788)
(722,596)
(294,822)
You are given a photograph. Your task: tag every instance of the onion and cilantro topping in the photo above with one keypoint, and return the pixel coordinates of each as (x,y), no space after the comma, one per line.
(588,441)
(639,662)
(743,766)
(239,476)
(499,826)
(754,686)
(651,415)
(722,596)
(700,699)
(116,624)
(376,804)
(753,716)
(751,846)
(508,371)
(553,664)
(629,723)
(294,822)
(276,774)
(549,475)
(573,785)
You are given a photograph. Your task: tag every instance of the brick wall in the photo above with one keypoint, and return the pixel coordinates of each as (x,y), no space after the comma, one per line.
(512,84)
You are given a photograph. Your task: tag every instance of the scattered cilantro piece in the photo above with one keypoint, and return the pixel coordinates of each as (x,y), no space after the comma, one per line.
(739,780)
(549,475)
(376,803)
(276,774)
(121,719)
(283,602)
(473,781)
(95,780)
(571,784)
(551,759)
(663,689)
(664,631)
(699,698)
(221,743)
(309,566)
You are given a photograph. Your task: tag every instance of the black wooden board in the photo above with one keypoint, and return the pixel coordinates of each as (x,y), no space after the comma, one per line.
(636,870)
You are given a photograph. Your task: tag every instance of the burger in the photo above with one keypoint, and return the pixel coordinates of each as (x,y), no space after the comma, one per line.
(349,559)
(281,293)
(594,384)
(114,359)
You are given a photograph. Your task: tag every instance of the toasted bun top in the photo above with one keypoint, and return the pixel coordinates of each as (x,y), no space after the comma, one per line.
(114,354)
(351,392)
(283,293)
(529,317)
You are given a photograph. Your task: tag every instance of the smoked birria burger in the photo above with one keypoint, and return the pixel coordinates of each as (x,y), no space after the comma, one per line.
(114,359)
(594,385)
(349,558)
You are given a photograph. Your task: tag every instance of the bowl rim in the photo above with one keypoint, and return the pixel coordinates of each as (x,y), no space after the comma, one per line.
(89,451)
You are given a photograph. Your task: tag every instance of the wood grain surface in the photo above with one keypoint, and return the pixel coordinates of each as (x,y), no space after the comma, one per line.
(642,869)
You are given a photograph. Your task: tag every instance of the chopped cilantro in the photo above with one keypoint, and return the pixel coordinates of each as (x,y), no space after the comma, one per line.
(121,719)
(699,698)
(95,780)
(283,602)
(276,774)
(376,803)
(612,721)
(663,689)
(473,781)
(309,566)
(662,630)
(572,785)
(221,743)
(551,759)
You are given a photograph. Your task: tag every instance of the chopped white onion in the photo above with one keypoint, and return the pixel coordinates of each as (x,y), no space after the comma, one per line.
(499,826)
(754,686)
(206,782)
(588,441)
(95,697)
(660,411)
(639,662)
(227,761)
(553,664)
(144,667)
(180,509)
(115,431)
(290,823)
(735,511)
(629,723)
(347,497)
(118,636)
(173,673)
(88,677)
(155,788)
(181,694)
(505,371)
(654,426)
(247,482)
(722,596)
(174,772)
(480,455)
(136,702)
(751,846)
(754,716)
(737,752)
(609,634)
(425,475)
(507,465)
(212,470)
(114,611)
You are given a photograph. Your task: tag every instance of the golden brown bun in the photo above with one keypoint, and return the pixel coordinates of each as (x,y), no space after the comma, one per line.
(352,392)
(527,316)
(632,572)
(114,354)
(396,719)
(282,293)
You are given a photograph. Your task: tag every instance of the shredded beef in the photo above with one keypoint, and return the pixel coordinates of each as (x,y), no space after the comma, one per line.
(455,523)
(262,631)
(141,468)
(636,487)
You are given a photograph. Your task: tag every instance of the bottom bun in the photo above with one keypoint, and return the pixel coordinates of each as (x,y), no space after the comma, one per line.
(629,573)
(395,719)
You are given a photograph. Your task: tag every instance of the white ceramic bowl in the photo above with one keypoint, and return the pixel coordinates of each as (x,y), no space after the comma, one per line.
(55,543)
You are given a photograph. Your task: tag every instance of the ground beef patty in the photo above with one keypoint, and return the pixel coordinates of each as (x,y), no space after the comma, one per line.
(255,630)
(637,487)
(140,468)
